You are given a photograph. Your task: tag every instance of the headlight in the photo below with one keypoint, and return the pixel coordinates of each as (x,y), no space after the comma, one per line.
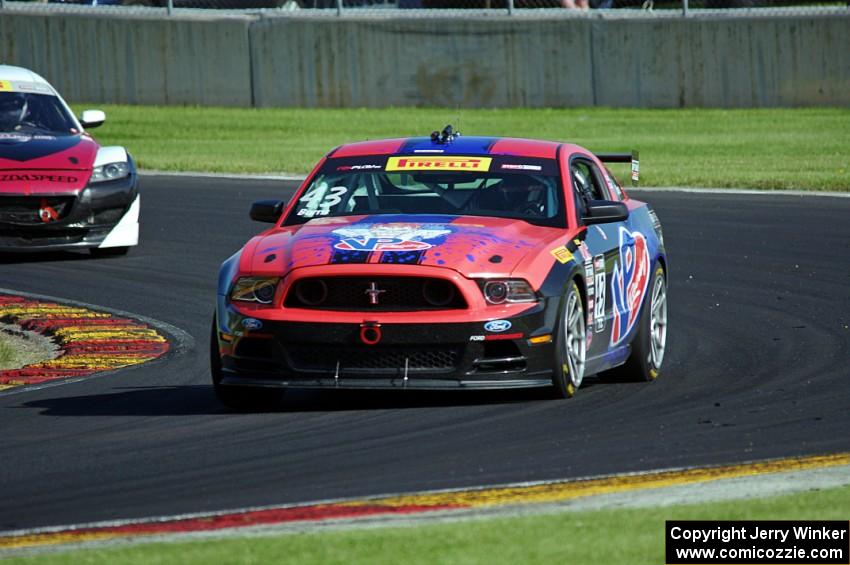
(254,289)
(510,290)
(110,171)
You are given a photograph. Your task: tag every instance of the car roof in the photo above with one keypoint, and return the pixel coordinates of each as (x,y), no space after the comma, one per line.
(20,74)
(507,146)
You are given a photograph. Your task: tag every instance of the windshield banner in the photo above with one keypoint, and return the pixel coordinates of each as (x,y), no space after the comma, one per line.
(439,163)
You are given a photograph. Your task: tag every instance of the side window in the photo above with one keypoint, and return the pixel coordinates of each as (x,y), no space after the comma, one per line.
(587,183)
(613,185)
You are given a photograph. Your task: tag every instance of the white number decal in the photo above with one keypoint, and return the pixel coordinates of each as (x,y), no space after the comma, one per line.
(332,199)
(320,200)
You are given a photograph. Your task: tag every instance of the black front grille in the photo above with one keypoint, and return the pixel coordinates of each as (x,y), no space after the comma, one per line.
(29,210)
(108,215)
(390,294)
(373,359)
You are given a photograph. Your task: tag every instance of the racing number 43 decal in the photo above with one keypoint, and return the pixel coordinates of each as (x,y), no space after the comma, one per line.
(320,201)
(629,282)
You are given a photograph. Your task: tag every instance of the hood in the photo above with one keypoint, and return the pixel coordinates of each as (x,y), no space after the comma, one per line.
(473,246)
(38,164)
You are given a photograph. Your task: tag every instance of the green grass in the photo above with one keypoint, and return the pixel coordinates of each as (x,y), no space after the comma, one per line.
(807,148)
(631,536)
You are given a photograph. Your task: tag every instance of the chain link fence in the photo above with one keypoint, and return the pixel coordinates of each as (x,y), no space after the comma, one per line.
(423,7)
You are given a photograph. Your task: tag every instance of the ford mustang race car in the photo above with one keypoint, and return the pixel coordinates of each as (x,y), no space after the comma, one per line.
(58,188)
(445,262)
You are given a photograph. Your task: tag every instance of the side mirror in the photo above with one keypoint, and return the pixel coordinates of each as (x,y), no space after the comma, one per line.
(92,118)
(605,212)
(267,210)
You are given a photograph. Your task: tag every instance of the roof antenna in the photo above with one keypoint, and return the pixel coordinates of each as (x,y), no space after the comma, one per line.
(446,136)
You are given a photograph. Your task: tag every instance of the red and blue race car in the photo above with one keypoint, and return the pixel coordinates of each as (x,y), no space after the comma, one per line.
(59,189)
(445,262)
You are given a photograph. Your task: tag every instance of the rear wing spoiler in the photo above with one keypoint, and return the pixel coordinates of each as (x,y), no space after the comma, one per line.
(623,158)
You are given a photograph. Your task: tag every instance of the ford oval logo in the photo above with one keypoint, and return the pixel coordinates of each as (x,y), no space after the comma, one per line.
(497,325)
(251,324)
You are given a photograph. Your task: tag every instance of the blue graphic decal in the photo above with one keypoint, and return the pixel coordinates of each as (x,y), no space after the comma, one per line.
(628,283)
(350,256)
(402,257)
(402,239)
(458,146)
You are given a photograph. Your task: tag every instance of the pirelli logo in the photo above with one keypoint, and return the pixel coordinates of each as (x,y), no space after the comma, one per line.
(439,164)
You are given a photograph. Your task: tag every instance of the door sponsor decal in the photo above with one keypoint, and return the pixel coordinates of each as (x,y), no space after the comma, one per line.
(599,284)
(629,282)
(388,237)
(590,283)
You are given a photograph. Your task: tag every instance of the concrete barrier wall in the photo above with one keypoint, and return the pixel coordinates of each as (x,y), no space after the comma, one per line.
(435,62)
(723,62)
(477,61)
(136,60)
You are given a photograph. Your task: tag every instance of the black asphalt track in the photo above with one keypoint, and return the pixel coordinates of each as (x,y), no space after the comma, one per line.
(757,367)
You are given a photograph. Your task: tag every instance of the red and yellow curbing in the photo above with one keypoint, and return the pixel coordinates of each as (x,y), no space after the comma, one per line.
(421,503)
(89,341)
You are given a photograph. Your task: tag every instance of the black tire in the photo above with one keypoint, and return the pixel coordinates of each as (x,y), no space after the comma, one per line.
(568,372)
(109,251)
(642,364)
(237,397)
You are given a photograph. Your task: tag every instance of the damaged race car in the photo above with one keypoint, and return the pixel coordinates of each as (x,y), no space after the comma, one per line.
(59,189)
(445,262)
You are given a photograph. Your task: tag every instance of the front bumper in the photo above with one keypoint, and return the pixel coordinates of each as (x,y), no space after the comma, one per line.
(415,356)
(93,215)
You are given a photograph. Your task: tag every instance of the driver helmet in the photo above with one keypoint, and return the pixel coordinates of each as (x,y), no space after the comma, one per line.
(13,107)
(515,189)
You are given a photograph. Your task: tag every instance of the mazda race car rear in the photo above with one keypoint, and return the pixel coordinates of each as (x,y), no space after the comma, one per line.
(444,263)
(58,188)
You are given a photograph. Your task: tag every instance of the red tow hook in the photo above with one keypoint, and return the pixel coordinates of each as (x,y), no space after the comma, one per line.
(46,213)
(370,333)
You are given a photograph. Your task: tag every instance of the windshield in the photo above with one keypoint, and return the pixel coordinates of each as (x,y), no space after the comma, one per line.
(525,189)
(25,112)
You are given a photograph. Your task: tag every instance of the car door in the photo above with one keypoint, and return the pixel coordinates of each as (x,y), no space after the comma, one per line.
(600,252)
